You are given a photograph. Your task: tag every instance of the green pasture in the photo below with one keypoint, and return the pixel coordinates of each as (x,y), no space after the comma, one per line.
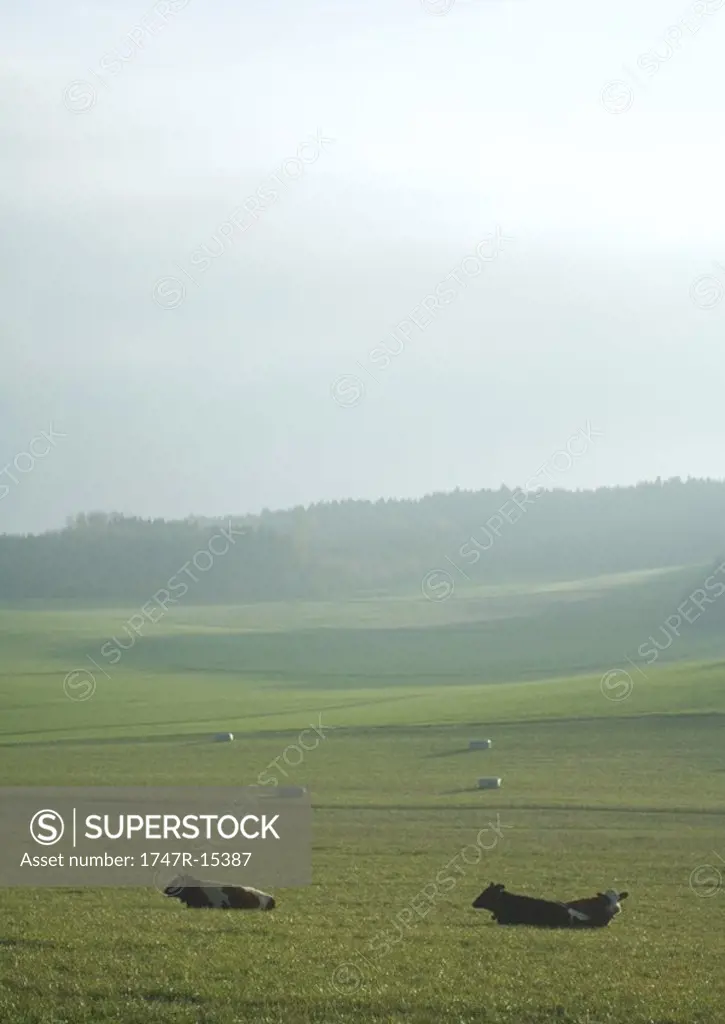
(597,793)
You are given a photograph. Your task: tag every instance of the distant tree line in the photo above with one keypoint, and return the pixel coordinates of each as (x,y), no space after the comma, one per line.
(359,548)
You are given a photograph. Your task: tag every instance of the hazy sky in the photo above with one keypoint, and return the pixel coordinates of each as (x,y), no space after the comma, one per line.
(206,352)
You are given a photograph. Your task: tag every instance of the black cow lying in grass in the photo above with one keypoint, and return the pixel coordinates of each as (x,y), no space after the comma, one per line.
(507,908)
(198,894)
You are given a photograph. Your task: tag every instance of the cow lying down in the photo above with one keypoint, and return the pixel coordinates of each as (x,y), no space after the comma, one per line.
(194,893)
(507,908)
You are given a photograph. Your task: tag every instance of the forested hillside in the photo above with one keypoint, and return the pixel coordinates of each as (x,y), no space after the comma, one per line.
(354,548)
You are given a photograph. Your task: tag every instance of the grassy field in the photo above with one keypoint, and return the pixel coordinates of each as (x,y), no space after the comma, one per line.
(597,793)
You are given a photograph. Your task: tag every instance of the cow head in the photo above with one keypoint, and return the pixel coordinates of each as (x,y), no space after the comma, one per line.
(612,899)
(181,882)
(490,898)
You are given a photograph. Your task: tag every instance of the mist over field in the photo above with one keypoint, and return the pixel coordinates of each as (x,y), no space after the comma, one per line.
(215,217)
(361,450)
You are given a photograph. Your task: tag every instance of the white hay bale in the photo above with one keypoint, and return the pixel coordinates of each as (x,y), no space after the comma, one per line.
(492,783)
(479,745)
(224,737)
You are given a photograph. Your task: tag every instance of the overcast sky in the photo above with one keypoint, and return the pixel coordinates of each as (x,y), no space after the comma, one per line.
(204,352)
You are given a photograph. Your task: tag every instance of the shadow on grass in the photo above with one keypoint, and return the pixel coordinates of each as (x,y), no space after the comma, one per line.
(185,738)
(467,789)
(26,944)
(449,753)
(172,997)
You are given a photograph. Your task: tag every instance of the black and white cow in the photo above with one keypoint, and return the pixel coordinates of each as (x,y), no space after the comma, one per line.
(194,893)
(597,911)
(508,908)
